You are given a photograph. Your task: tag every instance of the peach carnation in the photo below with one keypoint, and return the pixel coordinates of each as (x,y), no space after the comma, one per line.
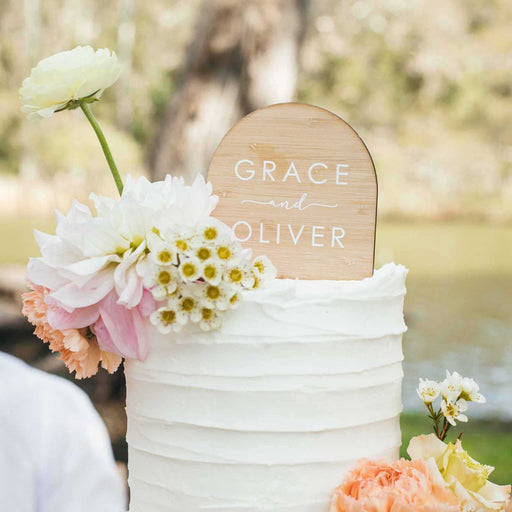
(78,347)
(401,486)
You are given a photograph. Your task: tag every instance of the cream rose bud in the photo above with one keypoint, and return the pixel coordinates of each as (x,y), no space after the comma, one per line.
(59,81)
(428,390)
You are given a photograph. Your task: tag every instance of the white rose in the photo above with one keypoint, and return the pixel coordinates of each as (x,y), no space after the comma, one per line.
(59,81)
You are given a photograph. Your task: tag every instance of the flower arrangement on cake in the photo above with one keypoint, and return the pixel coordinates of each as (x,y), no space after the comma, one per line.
(156,258)
(440,477)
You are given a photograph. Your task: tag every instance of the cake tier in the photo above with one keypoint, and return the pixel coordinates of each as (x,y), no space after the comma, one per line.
(269,412)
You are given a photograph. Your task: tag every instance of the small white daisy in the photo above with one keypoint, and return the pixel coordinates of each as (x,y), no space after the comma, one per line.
(264,269)
(209,319)
(165,319)
(204,252)
(227,250)
(161,280)
(234,300)
(189,305)
(190,269)
(240,274)
(161,252)
(212,271)
(181,241)
(214,296)
(212,230)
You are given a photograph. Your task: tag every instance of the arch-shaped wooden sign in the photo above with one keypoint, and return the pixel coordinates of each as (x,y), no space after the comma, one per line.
(298,184)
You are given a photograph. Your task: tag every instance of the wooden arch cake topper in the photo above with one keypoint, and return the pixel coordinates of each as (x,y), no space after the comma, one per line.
(298,184)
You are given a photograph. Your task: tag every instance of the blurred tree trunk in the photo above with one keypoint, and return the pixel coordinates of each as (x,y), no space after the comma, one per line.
(125,45)
(244,55)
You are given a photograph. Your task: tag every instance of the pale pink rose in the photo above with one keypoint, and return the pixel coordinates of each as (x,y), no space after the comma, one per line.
(78,348)
(401,486)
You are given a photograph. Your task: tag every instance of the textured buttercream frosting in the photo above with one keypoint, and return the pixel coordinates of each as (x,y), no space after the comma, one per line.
(269,412)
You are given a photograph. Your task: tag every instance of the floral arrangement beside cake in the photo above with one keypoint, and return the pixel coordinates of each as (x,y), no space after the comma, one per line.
(439,477)
(266,408)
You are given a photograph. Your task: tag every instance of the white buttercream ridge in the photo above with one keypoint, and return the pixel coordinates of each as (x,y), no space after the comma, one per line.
(333,356)
(191,442)
(386,282)
(311,310)
(363,378)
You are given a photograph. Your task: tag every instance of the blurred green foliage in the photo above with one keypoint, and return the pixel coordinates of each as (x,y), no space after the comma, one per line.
(426,83)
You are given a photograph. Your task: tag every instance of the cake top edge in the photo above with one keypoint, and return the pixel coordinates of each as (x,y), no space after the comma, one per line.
(387,281)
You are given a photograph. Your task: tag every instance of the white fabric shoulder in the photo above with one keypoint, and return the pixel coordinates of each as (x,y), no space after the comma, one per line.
(55,451)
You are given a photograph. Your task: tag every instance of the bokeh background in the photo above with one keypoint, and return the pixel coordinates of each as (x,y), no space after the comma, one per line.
(426,83)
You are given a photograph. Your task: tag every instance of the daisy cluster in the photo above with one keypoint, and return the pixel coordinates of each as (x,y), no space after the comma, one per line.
(196,275)
(455,392)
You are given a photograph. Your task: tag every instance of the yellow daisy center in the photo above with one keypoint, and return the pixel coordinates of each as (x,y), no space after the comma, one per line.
(164,277)
(259,265)
(168,316)
(224,252)
(213,292)
(182,245)
(210,271)
(165,256)
(203,253)
(235,275)
(210,233)
(207,313)
(188,304)
(188,269)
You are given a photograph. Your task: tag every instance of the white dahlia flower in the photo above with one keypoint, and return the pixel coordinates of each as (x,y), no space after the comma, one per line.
(66,78)
(91,266)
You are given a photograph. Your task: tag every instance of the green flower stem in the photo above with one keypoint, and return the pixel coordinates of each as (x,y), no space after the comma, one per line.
(435,417)
(106,150)
(446,428)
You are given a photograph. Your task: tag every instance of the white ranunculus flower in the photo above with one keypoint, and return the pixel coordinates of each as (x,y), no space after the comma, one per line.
(60,81)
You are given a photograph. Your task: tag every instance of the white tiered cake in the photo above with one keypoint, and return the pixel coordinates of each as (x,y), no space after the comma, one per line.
(269,412)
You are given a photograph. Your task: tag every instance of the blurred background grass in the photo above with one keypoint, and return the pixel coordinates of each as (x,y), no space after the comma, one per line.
(428,86)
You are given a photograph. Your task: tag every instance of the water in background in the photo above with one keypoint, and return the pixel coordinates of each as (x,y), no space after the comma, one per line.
(458,306)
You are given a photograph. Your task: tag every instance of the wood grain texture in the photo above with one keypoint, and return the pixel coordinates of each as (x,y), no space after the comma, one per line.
(298,184)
